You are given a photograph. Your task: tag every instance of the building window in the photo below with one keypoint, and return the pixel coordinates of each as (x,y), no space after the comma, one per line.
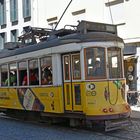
(79,15)
(14,35)
(52,22)
(13,10)
(2,12)
(113,2)
(2,40)
(78,12)
(26,8)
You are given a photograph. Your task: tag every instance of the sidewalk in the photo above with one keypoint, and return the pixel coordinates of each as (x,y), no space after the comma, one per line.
(135,112)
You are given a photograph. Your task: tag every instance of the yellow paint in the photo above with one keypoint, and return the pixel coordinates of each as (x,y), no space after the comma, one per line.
(73,101)
(50,97)
(91,101)
(96,101)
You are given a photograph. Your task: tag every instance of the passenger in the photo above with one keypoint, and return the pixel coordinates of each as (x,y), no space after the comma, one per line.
(33,79)
(97,69)
(76,72)
(12,79)
(24,82)
(46,76)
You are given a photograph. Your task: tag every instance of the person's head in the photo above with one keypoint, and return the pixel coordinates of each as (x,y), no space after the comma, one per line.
(97,63)
(12,73)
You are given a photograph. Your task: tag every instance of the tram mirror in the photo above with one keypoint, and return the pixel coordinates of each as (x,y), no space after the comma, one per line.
(130,68)
(130,77)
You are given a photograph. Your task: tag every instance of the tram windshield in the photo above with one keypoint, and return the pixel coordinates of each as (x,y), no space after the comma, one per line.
(115,62)
(95,63)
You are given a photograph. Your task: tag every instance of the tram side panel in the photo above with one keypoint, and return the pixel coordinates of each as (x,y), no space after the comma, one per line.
(9,99)
(47,99)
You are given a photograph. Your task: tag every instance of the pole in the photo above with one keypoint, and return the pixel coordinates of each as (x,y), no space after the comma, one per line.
(62,15)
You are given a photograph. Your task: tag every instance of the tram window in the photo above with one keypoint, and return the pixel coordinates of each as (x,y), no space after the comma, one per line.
(77,92)
(22,73)
(46,70)
(33,72)
(76,66)
(67,67)
(13,74)
(115,62)
(4,74)
(95,63)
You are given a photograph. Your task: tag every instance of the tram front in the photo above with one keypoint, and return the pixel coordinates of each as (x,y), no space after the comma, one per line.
(105,84)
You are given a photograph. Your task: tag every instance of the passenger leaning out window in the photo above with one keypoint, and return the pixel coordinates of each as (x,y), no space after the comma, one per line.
(46,76)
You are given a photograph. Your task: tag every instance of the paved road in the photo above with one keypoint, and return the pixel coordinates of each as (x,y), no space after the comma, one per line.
(135,112)
(16,130)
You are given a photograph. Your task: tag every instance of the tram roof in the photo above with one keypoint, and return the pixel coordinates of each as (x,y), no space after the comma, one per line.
(72,38)
(85,33)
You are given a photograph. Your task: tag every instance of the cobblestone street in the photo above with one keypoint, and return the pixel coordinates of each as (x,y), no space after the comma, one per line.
(135,115)
(14,130)
(135,112)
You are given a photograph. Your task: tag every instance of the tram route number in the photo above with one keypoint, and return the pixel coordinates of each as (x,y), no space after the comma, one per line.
(91,93)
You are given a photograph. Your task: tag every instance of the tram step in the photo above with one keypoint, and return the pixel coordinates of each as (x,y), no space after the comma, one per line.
(117,124)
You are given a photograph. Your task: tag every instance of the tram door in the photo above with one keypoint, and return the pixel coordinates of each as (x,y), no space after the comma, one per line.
(72,84)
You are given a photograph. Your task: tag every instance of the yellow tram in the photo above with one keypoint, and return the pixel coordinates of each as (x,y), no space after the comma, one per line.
(86,81)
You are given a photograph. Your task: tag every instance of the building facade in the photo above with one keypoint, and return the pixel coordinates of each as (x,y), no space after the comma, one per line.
(125,13)
(17,15)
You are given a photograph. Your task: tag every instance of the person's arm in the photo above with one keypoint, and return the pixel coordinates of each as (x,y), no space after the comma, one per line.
(6,82)
(24,82)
